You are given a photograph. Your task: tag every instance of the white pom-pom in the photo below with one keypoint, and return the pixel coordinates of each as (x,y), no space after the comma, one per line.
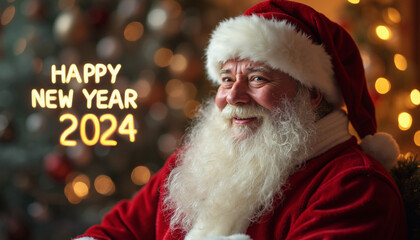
(231,237)
(383,147)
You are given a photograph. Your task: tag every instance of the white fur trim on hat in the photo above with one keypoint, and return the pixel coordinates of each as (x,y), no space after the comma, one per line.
(231,237)
(383,147)
(85,238)
(276,43)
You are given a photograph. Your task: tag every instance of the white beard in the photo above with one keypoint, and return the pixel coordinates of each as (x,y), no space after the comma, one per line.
(229,176)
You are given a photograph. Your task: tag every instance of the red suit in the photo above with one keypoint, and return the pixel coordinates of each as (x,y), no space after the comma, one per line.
(341,194)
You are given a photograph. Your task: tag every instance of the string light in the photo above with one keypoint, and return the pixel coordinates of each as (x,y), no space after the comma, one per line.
(383,32)
(415,97)
(382,85)
(404,121)
(400,62)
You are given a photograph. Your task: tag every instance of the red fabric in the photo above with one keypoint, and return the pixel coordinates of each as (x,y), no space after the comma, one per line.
(342,194)
(345,56)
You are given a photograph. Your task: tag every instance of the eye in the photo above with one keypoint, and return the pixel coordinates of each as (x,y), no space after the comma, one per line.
(227,82)
(257,81)
(226,79)
(258,78)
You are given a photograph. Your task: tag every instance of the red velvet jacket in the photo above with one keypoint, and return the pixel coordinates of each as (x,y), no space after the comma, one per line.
(342,194)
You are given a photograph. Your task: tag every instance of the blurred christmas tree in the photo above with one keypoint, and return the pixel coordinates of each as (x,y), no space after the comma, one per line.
(387,33)
(52,192)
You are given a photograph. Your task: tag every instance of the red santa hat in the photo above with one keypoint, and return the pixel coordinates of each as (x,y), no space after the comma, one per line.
(304,43)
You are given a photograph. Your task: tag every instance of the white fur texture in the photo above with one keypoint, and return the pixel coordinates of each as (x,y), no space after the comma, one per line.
(85,238)
(383,147)
(276,43)
(231,237)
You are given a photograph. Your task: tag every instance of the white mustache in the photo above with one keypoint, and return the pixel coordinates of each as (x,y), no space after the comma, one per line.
(246,111)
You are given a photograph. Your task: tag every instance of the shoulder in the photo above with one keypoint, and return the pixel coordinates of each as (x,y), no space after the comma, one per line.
(346,159)
(345,172)
(349,192)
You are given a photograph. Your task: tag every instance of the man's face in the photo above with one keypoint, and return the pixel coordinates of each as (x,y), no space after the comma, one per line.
(244,82)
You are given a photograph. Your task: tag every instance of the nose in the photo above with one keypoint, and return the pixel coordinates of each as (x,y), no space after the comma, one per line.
(238,94)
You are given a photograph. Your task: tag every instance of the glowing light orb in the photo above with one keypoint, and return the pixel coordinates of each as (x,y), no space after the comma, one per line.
(404,121)
(382,85)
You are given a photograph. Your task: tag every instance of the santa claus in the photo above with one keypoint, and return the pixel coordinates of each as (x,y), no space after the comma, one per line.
(271,156)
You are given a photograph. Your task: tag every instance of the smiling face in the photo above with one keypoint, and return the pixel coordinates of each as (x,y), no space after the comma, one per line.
(245,83)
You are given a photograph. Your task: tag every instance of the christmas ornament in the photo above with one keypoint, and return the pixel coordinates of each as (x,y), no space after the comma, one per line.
(57,166)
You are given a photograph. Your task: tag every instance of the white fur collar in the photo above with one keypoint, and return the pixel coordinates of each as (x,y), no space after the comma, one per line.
(330,131)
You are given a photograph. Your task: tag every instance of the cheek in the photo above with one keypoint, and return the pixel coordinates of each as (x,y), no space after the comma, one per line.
(271,98)
(220,99)
(267,101)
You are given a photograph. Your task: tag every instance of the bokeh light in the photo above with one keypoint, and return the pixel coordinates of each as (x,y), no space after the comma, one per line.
(417,138)
(157,18)
(415,97)
(81,185)
(66,4)
(404,121)
(163,57)
(354,1)
(143,88)
(104,185)
(383,32)
(178,64)
(177,96)
(70,195)
(37,65)
(20,46)
(382,85)
(400,62)
(8,15)
(133,31)
(140,175)
(158,111)
(167,143)
(393,15)
(174,88)
(173,8)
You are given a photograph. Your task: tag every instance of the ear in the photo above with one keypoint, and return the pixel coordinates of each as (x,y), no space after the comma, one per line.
(316,97)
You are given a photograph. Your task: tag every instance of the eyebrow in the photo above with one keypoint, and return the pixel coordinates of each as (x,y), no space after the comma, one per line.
(224,71)
(249,69)
(258,69)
